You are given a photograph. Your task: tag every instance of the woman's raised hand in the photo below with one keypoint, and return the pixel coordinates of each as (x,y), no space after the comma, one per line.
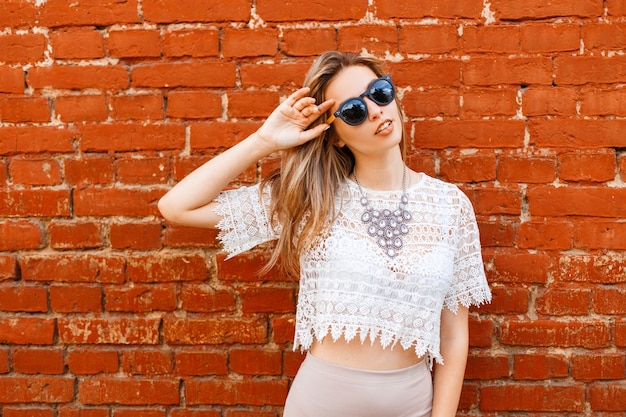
(287,126)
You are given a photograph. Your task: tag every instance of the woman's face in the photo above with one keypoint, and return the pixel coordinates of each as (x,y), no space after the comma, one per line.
(382,129)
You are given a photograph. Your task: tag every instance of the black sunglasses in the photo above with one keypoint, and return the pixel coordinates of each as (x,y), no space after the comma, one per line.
(353,111)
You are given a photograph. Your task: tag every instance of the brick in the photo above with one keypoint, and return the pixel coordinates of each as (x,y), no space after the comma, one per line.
(291,362)
(201,363)
(184,75)
(137,107)
(481,332)
(432,103)
(549,101)
(537,9)
(595,166)
(229,392)
(488,201)
(590,335)
(486,366)
(19,235)
(26,48)
(105,331)
(244,104)
(196,412)
(607,397)
(171,11)
(220,134)
(72,411)
(616,7)
(255,362)
(387,9)
(194,105)
(36,389)
(469,134)
(564,302)
(609,300)
(4,360)
(578,70)
(91,361)
(595,102)
(67,77)
(245,268)
(116,202)
(496,234)
(104,390)
(36,140)
(307,42)
(507,300)
(35,203)
(603,235)
(482,102)
(181,236)
(173,267)
(239,43)
(283,329)
(267,299)
(35,171)
(590,269)
(545,38)
(23,298)
(38,361)
(11,80)
(134,44)
(205,299)
(131,137)
(195,43)
(598,367)
(89,170)
(18,14)
(428,39)
(76,298)
(582,201)
(82,108)
(73,268)
(428,73)
(26,331)
(527,397)
(521,267)
(135,236)
(147,362)
(526,170)
(138,412)
(24,109)
(57,13)
(376,39)
(75,235)
(269,75)
(539,366)
(27,412)
(7,267)
(468,167)
(214,331)
(142,170)
(274,10)
(545,236)
(77,43)
(140,298)
(603,36)
(496,39)
(501,71)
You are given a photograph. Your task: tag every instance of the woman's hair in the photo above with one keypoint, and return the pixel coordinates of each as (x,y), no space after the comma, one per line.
(304,187)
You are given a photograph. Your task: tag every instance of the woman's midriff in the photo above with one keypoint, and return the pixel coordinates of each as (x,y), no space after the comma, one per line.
(364,356)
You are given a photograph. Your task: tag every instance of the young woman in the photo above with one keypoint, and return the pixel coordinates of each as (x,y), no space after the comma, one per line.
(389,259)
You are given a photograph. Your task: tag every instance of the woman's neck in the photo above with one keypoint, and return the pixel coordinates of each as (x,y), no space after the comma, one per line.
(381,174)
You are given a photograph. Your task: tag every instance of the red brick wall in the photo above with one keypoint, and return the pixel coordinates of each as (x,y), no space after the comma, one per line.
(106,311)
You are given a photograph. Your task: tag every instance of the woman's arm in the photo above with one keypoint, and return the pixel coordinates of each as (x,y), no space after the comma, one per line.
(448,378)
(189,203)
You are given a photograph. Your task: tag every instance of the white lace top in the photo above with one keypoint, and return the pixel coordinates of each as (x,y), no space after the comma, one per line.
(350,287)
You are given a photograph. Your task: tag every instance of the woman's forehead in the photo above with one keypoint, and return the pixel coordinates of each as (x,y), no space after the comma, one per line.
(350,82)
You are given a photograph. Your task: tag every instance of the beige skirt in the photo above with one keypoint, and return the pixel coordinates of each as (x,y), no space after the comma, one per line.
(322,388)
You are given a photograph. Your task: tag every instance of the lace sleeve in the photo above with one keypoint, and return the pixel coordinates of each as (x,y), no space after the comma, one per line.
(245,219)
(469,285)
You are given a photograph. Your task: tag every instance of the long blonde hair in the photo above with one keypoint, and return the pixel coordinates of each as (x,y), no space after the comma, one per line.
(304,187)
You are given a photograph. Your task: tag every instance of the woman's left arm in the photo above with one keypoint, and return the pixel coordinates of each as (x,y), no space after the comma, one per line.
(448,378)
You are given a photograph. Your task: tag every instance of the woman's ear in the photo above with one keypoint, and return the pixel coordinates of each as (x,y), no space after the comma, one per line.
(339,143)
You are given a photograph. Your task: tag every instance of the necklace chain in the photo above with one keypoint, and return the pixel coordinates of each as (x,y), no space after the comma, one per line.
(385,226)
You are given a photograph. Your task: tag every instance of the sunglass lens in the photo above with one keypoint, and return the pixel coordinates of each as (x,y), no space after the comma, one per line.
(353,112)
(382,92)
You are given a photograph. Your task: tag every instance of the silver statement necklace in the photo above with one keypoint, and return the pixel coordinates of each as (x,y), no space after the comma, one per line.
(387,227)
